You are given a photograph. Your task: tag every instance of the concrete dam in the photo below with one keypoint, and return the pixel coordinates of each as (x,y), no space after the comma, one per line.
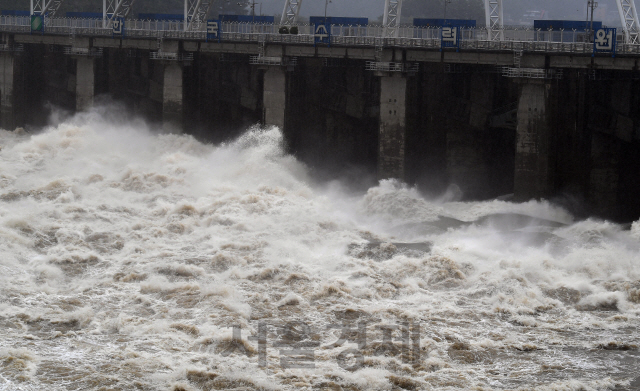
(237,204)
(536,119)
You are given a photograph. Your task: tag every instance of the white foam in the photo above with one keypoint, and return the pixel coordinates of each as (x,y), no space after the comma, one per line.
(143,250)
(635,230)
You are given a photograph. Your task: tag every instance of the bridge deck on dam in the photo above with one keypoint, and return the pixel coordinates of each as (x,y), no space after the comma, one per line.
(537,49)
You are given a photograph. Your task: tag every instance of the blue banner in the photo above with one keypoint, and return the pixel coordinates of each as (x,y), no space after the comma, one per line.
(214,30)
(450,37)
(604,41)
(322,33)
(118,27)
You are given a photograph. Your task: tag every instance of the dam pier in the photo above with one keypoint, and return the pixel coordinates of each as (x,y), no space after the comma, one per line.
(535,118)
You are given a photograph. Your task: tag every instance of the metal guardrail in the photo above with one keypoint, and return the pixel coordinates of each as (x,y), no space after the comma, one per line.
(76,51)
(171,56)
(515,38)
(391,66)
(260,60)
(267,60)
(5,47)
(532,73)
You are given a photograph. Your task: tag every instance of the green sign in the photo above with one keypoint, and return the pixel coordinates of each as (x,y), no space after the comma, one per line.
(36,22)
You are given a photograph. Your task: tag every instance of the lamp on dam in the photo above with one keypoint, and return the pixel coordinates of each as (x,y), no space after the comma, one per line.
(326,4)
(252,5)
(591,6)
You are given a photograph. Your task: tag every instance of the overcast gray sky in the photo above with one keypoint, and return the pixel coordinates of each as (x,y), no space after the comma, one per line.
(513,9)
(354,8)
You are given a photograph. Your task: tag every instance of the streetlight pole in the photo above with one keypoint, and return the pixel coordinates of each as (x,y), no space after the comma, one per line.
(326,4)
(593,5)
(252,5)
(445,8)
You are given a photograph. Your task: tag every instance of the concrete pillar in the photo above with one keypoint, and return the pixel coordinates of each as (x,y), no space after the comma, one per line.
(604,179)
(85,83)
(274,97)
(533,143)
(392,136)
(172,97)
(7,101)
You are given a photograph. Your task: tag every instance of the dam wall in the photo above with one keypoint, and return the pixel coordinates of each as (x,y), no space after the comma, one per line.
(441,121)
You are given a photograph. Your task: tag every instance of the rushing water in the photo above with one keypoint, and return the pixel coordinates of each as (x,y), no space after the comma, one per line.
(126,257)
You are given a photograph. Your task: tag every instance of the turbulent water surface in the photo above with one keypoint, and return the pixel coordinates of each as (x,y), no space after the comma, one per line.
(127,257)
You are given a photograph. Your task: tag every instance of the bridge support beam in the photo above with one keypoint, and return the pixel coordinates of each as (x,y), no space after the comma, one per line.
(8,107)
(172,97)
(392,131)
(85,83)
(533,143)
(275,97)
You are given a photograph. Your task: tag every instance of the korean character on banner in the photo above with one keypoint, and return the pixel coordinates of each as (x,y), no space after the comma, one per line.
(322,33)
(118,26)
(296,336)
(604,40)
(214,30)
(450,37)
